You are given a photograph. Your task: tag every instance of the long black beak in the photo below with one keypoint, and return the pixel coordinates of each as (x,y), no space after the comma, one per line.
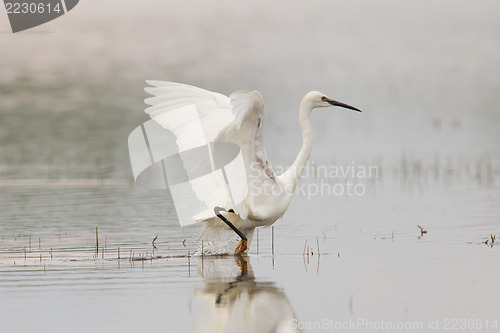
(343,105)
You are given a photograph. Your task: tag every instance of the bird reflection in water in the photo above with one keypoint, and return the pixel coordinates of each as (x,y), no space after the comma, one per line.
(234,301)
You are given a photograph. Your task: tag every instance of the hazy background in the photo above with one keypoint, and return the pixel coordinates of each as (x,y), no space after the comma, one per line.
(426,75)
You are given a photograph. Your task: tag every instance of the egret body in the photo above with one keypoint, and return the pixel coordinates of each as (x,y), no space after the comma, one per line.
(237,119)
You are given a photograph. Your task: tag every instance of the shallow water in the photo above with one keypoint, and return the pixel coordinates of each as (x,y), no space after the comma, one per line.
(427,79)
(367,269)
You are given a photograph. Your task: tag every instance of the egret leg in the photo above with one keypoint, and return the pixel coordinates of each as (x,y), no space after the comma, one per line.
(242,246)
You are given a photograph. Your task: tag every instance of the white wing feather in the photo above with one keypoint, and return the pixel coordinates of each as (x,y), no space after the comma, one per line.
(236,119)
(213,109)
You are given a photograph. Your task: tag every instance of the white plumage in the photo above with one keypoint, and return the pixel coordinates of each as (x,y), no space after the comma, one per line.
(198,117)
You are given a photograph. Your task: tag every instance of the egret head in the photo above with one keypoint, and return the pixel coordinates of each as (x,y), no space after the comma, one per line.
(318,100)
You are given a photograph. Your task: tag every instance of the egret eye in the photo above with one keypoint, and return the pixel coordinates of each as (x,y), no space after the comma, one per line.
(323,98)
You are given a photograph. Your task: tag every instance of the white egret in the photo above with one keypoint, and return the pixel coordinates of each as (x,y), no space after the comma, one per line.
(237,119)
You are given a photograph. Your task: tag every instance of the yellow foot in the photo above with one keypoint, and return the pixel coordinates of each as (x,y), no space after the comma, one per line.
(241,248)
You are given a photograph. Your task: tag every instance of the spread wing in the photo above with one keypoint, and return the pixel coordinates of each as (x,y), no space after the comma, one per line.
(197,117)
(194,115)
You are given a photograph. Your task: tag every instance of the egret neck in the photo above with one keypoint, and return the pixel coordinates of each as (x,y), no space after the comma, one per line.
(291,177)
